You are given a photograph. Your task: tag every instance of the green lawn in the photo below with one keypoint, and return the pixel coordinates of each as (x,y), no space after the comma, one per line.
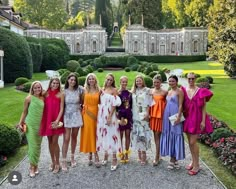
(116,40)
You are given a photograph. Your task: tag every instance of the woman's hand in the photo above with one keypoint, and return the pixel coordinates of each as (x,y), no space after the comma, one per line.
(202,125)
(177,121)
(146,117)
(109,120)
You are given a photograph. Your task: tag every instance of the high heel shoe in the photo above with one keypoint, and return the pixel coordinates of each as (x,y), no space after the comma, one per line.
(73,162)
(104,162)
(122,156)
(127,152)
(114,167)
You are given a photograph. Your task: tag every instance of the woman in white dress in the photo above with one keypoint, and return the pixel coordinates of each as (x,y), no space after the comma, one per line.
(108,134)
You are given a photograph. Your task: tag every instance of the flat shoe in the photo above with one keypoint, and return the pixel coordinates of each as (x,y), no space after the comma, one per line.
(170,166)
(114,167)
(192,172)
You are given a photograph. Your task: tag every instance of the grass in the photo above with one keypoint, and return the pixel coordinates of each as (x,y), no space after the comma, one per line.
(116,41)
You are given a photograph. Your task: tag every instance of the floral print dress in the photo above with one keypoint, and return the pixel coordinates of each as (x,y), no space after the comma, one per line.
(108,136)
(141,134)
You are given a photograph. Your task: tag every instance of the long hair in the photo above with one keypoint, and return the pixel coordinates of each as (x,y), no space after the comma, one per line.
(76,81)
(31,92)
(50,82)
(87,86)
(134,87)
(113,83)
(174,77)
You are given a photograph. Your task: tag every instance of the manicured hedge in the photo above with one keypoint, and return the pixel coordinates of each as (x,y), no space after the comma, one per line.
(37,56)
(171,59)
(17,59)
(84,57)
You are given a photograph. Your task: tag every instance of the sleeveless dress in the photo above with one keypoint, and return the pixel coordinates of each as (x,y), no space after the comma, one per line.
(172,139)
(72,112)
(193,112)
(51,110)
(125,109)
(141,134)
(108,136)
(88,131)
(156,113)
(33,122)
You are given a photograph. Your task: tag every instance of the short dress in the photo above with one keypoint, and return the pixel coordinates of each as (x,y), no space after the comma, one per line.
(193,112)
(156,113)
(72,111)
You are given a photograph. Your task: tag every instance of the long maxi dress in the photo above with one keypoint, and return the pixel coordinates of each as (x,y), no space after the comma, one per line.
(108,136)
(141,134)
(172,139)
(33,122)
(193,111)
(88,131)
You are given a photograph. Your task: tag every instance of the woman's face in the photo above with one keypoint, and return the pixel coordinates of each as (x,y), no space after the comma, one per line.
(91,81)
(72,81)
(191,79)
(124,83)
(109,81)
(139,83)
(55,85)
(37,89)
(157,83)
(172,82)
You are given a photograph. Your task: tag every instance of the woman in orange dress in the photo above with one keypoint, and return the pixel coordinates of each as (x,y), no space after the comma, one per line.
(156,114)
(89,113)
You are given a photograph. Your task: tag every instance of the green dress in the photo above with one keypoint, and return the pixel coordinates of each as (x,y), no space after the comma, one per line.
(33,122)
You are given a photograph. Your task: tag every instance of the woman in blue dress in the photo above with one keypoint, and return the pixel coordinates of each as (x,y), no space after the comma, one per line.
(172,139)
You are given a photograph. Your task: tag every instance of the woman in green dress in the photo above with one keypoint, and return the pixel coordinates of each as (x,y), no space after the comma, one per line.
(32,115)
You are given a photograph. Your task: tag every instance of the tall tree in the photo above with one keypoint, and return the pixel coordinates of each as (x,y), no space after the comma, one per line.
(46,13)
(222,34)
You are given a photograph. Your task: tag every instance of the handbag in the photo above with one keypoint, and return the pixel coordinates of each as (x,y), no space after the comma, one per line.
(173,118)
(56,126)
(123,121)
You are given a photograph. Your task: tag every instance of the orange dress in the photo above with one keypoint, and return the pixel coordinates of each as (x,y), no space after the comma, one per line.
(156,113)
(88,131)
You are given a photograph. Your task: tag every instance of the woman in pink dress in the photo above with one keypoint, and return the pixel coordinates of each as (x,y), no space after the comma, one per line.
(196,120)
(53,111)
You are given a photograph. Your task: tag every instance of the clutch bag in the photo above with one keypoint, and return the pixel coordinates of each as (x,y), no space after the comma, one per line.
(56,126)
(123,121)
(173,118)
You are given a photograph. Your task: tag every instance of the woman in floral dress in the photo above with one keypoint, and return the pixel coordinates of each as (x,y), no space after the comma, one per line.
(108,133)
(141,133)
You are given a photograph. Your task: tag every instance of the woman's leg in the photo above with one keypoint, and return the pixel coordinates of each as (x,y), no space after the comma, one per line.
(127,144)
(56,153)
(144,158)
(157,136)
(66,140)
(51,150)
(74,135)
(97,163)
(195,152)
(122,153)
(90,157)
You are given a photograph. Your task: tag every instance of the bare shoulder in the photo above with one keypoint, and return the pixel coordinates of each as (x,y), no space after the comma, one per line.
(180,92)
(28,99)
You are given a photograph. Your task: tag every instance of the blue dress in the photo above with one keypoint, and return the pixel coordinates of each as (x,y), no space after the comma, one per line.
(172,139)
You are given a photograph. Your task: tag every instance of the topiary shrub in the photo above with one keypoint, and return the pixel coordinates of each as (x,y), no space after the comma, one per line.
(72,65)
(17,61)
(148,81)
(132,60)
(141,68)
(64,76)
(62,71)
(197,75)
(134,67)
(154,67)
(100,70)
(202,79)
(210,79)
(90,69)
(163,75)
(26,86)
(80,71)
(148,70)
(221,133)
(127,69)
(20,81)
(9,139)
(152,74)
(82,80)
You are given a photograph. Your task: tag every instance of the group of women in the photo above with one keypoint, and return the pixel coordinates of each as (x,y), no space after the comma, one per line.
(107,115)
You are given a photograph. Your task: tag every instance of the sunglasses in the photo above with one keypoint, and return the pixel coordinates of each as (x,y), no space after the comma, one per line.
(191,78)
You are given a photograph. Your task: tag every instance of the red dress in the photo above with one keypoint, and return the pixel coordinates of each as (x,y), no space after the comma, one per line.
(50,113)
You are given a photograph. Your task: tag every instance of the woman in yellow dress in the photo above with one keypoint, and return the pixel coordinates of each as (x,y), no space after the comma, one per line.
(89,113)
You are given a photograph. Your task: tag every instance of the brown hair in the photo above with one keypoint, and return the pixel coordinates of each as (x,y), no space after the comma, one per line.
(76,81)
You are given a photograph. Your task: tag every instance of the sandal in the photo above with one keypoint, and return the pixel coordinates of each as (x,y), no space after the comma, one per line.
(155,163)
(122,156)
(127,152)
(90,160)
(114,167)
(104,162)
(73,162)
(97,163)
(189,167)
(64,165)
(31,172)
(192,172)
(176,165)
(170,166)
(56,169)
(51,167)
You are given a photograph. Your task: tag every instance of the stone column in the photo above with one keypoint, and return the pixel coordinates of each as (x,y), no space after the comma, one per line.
(1,69)
(142,20)
(129,20)
(100,19)
(87,20)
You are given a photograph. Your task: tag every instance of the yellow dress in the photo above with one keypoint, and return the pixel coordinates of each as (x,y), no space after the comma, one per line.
(88,131)
(156,113)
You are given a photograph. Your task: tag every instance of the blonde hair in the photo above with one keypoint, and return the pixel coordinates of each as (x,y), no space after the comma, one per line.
(56,79)
(157,77)
(191,73)
(133,90)
(105,82)
(86,84)
(31,92)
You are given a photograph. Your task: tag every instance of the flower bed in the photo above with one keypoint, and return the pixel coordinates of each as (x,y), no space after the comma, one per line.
(223,142)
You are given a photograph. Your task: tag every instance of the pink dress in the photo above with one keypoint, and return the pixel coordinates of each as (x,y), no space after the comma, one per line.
(193,112)
(50,113)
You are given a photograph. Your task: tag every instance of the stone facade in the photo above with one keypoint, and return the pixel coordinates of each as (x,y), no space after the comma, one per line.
(186,41)
(90,40)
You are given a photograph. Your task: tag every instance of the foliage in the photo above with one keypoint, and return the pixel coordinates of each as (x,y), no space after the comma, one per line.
(127,69)
(26,86)
(9,139)
(210,79)
(152,74)
(89,69)
(37,56)
(163,75)
(62,71)
(154,67)
(84,57)
(3,160)
(100,70)
(64,77)
(48,13)
(80,71)
(204,85)
(17,60)
(132,60)
(202,79)
(222,34)
(221,133)
(148,81)
(134,67)
(82,80)
(20,81)
(71,65)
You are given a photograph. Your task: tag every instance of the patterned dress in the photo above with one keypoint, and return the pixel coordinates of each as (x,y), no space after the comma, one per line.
(141,134)
(108,136)
(172,138)
(125,109)
(72,113)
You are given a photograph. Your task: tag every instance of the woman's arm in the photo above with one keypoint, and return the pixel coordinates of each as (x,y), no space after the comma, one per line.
(25,110)
(113,108)
(180,110)
(61,107)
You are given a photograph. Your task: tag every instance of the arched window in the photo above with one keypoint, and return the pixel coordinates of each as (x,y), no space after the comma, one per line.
(195,46)
(182,47)
(152,48)
(135,46)
(94,46)
(77,47)
(173,47)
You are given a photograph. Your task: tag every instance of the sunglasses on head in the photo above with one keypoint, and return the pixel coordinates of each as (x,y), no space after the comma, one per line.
(191,78)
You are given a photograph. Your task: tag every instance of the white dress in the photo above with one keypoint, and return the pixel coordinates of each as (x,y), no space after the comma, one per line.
(108,136)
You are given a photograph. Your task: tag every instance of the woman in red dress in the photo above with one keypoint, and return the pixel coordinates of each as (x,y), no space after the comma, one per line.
(53,111)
